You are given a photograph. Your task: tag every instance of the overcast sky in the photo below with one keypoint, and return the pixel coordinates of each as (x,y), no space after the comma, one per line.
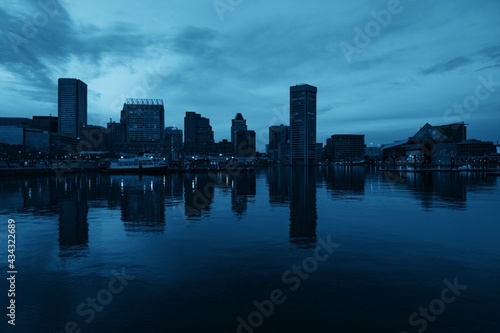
(382,68)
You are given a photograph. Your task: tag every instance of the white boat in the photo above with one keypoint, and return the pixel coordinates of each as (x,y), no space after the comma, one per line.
(465,168)
(143,163)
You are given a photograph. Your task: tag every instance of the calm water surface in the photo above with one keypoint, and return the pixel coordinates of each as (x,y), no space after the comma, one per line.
(202,253)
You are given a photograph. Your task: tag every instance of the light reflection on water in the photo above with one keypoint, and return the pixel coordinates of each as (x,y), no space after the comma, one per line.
(203,247)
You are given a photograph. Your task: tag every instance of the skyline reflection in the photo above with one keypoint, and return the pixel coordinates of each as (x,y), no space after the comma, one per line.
(303,213)
(143,201)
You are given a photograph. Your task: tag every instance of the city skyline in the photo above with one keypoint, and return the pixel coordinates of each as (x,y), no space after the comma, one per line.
(417,62)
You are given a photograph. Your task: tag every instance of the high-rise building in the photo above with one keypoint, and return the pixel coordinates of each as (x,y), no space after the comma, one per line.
(242,139)
(143,120)
(246,143)
(45,123)
(72,107)
(116,135)
(237,124)
(277,135)
(198,134)
(173,140)
(303,124)
(278,138)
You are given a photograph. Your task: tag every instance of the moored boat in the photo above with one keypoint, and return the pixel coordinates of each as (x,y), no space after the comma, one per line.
(143,163)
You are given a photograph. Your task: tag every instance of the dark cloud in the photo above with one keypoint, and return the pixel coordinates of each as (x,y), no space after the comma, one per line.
(31,52)
(194,41)
(247,62)
(447,66)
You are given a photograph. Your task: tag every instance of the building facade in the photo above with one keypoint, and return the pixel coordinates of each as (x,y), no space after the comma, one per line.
(470,149)
(143,120)
(72,107)
(45,123)
(347,147)
(303,124)
(277,135)
(198,134)
(116,135)
(246,143)
(173,141)
(238,124)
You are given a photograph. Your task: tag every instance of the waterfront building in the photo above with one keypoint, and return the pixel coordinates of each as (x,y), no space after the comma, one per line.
(246,143)
(303,124)
(470,149)
(238,124)
(198,134)
(347,147)
(72,107)
(143,120)
(116,135)
(173,140)
(278,136)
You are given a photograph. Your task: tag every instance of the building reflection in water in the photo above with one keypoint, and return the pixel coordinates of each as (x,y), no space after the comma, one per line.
(198,194)
(303,214)
(278,180)
(73,211)
(446,190)
(141,201)
(41,196)
(440,190)
(172,183)
(345,182)
(243,187)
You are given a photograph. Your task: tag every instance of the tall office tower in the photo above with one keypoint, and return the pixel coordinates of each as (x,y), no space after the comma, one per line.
(72,107)
(303,124)
(278,143)
(173,141)
(237,124)
(198,134)
(143,120)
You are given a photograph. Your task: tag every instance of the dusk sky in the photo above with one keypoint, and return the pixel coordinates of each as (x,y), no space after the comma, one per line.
(382,68)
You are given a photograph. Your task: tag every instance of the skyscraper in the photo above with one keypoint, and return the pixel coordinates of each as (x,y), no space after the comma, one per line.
(303,124)
(143,120)
(245,143)
(198,134)
(237,124)
(278,143)
(277,135)
(173,140)
(72,107)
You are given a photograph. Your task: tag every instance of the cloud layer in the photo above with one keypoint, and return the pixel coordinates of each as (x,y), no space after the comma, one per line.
(408,68)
